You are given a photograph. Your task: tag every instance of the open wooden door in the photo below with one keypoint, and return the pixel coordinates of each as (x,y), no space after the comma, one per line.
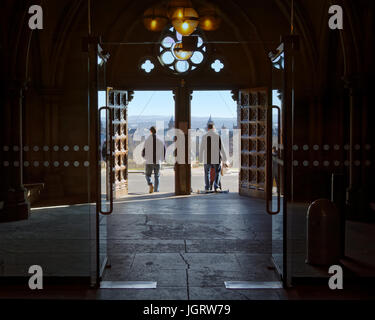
(253,104)
(118,101)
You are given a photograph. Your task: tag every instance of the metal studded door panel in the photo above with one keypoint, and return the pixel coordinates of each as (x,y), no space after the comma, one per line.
(253,123)
(118,101)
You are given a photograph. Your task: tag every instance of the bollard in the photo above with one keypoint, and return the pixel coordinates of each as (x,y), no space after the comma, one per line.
(323,233)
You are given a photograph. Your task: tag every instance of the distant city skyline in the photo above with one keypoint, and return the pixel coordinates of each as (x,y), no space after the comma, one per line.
(218,104)
(196,122)
(150,106)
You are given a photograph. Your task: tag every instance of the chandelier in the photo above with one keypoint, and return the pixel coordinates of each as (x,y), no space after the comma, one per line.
(154,19)
(183,17)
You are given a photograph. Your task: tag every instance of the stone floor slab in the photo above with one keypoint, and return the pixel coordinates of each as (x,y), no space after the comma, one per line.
(146,246)
(260,265)
(216,278)
(159,261)
(228,246)
(146,294)
(215,293)
(212,261)
(164,278)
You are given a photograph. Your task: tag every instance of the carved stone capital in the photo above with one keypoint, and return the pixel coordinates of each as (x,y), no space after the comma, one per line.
(130,95)
(235,95)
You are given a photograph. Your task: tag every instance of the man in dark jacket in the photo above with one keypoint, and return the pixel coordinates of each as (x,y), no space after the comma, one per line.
(154,154)
(212,153)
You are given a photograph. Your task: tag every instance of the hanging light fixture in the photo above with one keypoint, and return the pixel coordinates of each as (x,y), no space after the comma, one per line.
(180,53)
(185,20)
(209,23)
(155,18)
(174,4)
(209,19)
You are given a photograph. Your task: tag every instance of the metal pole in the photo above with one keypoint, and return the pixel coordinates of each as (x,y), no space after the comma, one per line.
(351,140)
(292,18)
(89,16)
(20,155)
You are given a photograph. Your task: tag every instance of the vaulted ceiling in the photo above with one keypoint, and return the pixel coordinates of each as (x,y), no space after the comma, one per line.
(46,55)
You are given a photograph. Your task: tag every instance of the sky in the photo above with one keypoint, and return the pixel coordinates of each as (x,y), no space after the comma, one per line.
(217,103)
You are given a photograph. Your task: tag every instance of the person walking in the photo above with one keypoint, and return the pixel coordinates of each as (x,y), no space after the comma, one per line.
(212,153)
(154,154)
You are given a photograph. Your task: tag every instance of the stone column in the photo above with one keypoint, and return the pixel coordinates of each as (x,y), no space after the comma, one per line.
(52,176)
(356,191)
(16,205)
(182,97)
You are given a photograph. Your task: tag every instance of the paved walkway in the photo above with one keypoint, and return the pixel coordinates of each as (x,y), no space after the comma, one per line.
(137,181)
(190,245)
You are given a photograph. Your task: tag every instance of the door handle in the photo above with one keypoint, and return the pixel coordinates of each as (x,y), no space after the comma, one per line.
(109,160)
(269,165)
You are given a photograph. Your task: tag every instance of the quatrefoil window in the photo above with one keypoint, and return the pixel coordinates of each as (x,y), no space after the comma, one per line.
(147,66)
(217,65)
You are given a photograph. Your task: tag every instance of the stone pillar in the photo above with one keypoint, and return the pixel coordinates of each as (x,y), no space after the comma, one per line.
(16,206)
(182,97)
(52,176)
(356,191)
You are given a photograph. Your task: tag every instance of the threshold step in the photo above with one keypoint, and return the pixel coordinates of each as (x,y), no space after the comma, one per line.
(128,285)
(238,285)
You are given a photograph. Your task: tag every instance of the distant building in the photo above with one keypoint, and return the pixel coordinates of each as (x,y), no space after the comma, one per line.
(170,126)
(209,121)
(171,123)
